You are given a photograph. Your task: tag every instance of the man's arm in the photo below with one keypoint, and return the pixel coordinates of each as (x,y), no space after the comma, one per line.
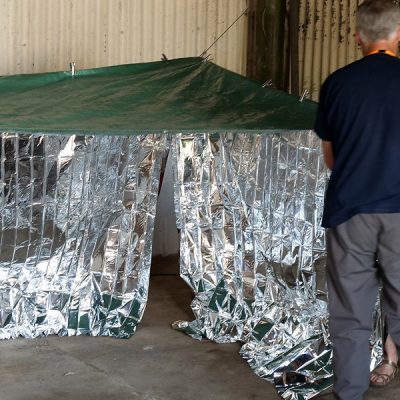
(328,154)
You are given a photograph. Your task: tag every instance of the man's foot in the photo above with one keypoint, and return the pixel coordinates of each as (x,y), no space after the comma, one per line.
(385,372)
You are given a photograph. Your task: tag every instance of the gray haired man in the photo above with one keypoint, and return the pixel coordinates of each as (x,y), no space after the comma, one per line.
(358,121)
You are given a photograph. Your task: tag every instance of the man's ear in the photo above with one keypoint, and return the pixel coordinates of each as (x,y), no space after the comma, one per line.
(398,34)
(358,38)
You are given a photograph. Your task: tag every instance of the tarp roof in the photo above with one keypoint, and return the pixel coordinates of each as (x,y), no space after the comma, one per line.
(182,95)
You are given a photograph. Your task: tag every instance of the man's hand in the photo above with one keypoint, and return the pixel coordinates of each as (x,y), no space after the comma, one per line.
(328,154)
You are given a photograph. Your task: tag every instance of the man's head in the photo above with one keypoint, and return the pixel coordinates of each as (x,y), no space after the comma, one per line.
(377,20)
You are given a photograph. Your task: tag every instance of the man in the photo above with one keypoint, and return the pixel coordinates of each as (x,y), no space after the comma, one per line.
(359,123)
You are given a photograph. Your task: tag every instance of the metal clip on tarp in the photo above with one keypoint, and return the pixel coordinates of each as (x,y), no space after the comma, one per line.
(304,95)
(72,69)
(206,57)
(267,83)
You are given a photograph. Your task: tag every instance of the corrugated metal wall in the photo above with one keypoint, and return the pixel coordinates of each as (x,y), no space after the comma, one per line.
(327,42)
(46,35)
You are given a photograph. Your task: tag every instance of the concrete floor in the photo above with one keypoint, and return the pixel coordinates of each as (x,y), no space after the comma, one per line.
(157,363)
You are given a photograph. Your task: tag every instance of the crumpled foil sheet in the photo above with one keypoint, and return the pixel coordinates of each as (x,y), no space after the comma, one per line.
(249,208)
(77,217)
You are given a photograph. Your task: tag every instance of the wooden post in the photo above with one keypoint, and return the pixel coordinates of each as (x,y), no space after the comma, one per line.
(294,12)
(266,38)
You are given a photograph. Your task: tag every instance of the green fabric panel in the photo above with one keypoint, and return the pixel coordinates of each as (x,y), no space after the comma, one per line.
(182,95)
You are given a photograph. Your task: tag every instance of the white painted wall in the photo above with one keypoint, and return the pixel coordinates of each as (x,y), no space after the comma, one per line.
(46,35)
(166,238)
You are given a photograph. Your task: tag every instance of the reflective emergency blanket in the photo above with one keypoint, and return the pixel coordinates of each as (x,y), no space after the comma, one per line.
(77,216)
(252,249)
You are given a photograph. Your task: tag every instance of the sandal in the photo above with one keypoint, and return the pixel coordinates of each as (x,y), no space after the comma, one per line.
(384,379)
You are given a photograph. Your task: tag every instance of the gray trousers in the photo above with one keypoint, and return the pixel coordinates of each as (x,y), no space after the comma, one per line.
(353,281)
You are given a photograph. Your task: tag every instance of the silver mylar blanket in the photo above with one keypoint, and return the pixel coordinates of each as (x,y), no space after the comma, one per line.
(252,248)
(77,217)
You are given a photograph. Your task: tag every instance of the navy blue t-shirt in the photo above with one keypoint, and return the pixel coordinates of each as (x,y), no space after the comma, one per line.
(359,112)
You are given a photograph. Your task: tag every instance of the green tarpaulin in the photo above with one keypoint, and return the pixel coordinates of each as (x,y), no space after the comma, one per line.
(180,95)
